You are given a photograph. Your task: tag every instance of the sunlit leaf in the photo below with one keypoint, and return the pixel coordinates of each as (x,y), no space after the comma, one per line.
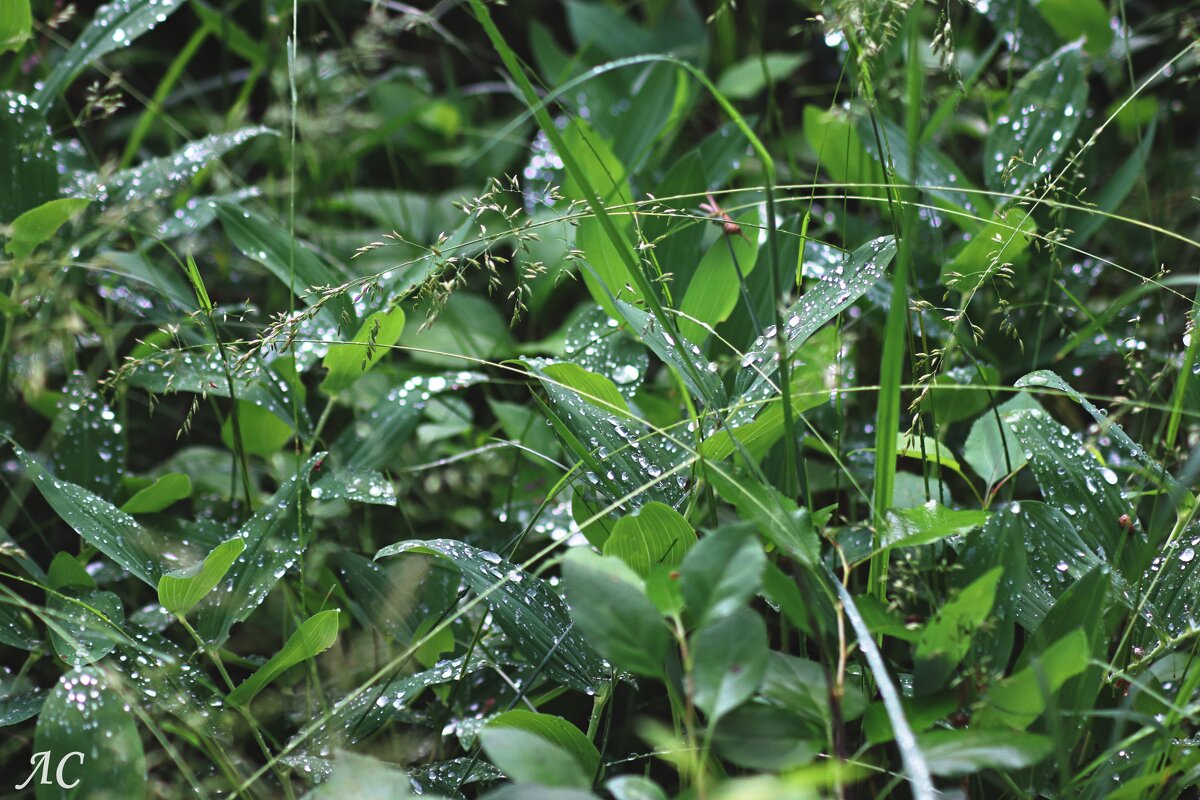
(314,636)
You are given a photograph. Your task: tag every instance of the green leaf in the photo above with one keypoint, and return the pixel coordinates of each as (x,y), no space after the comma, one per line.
(1039,122)
(90,446)
(1017,701)
(832,295)
(835,143)
(965,752)
(947,638)
(556,730)
(181,590)
(16,22)
(361,486)
(84,625)
(28,163)
(929,522)
(528,758)
(609,604)
(110,530)
(273,544)
(38,225)
(364,778)
(524,607)
(715,288)
(654,535)
(158,178)
(16,707)
(314,636)
(765,737)
(268,242)
(703,381)
(115,25)
(1002,241)
(592,388)
(67,573)
(722,572)
(748,77)
(86,714)
(1085,222)
(349,361)
(162,494)
(634,787)
(778,519)
(263,432)
(991,448)
(802,687)
(729,657)
(1072,19)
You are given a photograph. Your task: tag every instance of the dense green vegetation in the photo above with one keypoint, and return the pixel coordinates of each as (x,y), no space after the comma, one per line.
(599,399)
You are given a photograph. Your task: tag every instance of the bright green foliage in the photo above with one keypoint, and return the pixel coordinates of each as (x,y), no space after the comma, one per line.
(314,636)
(180,591)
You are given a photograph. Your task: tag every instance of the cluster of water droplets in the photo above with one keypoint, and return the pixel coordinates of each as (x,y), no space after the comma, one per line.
(595,342)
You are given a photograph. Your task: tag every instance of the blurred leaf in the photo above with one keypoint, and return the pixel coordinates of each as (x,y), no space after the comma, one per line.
(532,615)
(956,753)
(361,486)
(927,523)
(721,572)
(263,433)
(16,21)
(838,149)
(748,77)
(162,494)
(1072,19)
(947,638)
(609,603)
(1002,241)
(1017,701)
(79,634)
(38,225)
(363,778)
(314,636)
(778,519)
(181,590)
(765,737)
(729,656)
(556,730)
(28,163)
(714,290)
(90,443)
(1039,122)
(86,714)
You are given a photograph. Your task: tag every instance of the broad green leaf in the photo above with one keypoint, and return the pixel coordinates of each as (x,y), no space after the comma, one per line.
(83,626)
(28,163)
(263,433)
(991,449)
(1017,701)
(729,657)
(1072,19)
(947,638)
(363,778)
(114,26)
(556,730)
(101,524)
(835,143)
(764,737)
(588,386)
(16,707)
(16,22)
(609,604)
(158,178)
(953,396)
(162,494)
(833,294)
(38,225)
(778,519)
(627,460)
(86,714)
(1002,241)
(802,687)
(273,545)
(748,77)
(702,381)
(964,752)
(634,787)
(715,288)
(349,361)
(314,636)
(927,523)
(268,242)
(181,590)
(524,607)
(90,446)
(361,486)
(1039,122)
(721,572)
(654,535)
(596,343)
(67,573)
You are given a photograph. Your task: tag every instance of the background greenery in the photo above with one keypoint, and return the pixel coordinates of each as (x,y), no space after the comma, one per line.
(635,400)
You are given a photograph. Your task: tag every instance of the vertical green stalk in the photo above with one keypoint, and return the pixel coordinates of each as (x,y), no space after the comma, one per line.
(887,420)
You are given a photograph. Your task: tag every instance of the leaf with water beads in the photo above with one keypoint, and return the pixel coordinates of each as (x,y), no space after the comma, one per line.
(273,546)
(1039,123)
(110,530)
(623,457)
(360,486)
(38,225)
(87,714)
(179,591)
(114,26)
(90,448)
(83,627)
(28,163)
(524,607)
(833,294)
(595,342)
(700,376)
(158,178)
